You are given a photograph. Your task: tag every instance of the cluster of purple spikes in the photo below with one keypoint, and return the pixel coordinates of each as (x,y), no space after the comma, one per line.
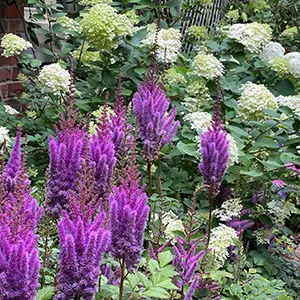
(19,216)
(215,154)
(156,125)
(186,263)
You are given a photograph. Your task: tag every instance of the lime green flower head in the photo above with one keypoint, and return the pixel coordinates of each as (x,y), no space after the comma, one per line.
(133,17)
(280,65)
(172,76)
(13,45)
(103,26)
(85,55)
(93,2)
(289,33)
(233,15)
(197,31)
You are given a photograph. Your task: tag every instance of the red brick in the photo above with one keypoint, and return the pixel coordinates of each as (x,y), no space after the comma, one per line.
(14,73)
(15,88)
(3,91)
(12,12)
(2,10)
(10,61)
(16,26)
(5,74)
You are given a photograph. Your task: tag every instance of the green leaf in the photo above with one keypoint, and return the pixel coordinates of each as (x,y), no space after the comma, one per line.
(46,50)
(265,220)
(108,77)
(266,142)
(288,157)
(252,173)
(189,149)
(285,87)
(45,293)
(165,258)
(167,284)
(156,292)
(172,3)
(144,279)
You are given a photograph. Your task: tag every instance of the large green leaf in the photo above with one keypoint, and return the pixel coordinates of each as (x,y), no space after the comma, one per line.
(45,293)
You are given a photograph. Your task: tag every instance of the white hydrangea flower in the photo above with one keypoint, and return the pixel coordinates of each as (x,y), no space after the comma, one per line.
(10,110)
(281,210)
(207,66)
(255,98)
(233,151)
(69,23)
(270,51)
(252,35)
(55,78)
(280,65)
(263,235)
(199,120)
(294,60)
(13,45)
(174,224)
(221,238)
(4,137)
(293,102)
(174,77)
(229,209)
(167,41)
(298,149)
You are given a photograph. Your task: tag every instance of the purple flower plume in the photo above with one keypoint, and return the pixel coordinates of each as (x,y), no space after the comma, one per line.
(156,125)
(19,215)
(65,162)
(81,248)
(214,152)
(186,262)
(83,239)
(128,216)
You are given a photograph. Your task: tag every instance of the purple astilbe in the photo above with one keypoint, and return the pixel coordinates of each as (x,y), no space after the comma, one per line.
(19,215)
(128,215)
(238,225)
(212,287)
(65,153)
(112,274)
(215,154)
(156,125)
(83,239)
(186,261)
(118,124)
(81,247)
(13,166)
(65,163)
(192,288)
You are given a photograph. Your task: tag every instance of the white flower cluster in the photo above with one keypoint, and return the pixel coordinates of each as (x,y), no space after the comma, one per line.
(207,66)
(173,224)
(198,95)
(69,24)
(280,65)
(293,102)
(233,151)
(174,77)
(10,110)
(54,78)
(13,45)
(270,51)
(93,2)
(252,35)
(255,98)
(294,59)
(4,137)
(167,42)
(199,120)
(229,209)
(281,210)
(263,235)
(221,238)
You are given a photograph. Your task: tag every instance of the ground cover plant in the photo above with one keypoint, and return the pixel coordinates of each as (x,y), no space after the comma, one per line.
(140,170)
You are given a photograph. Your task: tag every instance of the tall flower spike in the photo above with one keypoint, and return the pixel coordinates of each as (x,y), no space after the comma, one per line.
(186,262)
(19,215)
(83,239)
(128,216)
(215,153)
(13,166)
(66,153)
(156,125)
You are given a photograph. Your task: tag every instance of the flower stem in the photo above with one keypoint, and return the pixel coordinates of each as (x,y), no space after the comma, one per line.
(209,227)
(121,289)
(149,174)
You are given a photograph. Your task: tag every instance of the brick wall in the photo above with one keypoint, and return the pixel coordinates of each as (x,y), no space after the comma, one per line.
(10,21)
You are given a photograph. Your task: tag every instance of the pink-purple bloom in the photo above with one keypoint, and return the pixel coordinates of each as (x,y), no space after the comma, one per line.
(19,215)
(156,125)
(215,154)
(186,262)
(128,216)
